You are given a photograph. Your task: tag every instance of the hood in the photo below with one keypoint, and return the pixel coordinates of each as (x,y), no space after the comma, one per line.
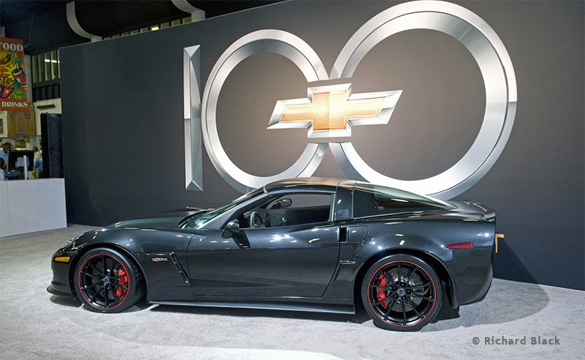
(168,220)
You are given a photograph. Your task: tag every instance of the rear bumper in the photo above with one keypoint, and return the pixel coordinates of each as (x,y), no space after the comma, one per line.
(472,275)
(479,288)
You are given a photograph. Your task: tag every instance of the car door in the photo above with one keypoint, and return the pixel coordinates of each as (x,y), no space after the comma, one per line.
(293,253)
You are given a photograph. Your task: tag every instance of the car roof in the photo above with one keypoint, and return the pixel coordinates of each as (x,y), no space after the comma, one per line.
(311,182)
(330,184)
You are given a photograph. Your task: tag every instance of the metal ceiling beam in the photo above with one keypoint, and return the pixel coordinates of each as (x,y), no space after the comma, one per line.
(75,26)
(196,13)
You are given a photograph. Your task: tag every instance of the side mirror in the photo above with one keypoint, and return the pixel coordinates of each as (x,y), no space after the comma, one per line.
(282,203)
(231,229)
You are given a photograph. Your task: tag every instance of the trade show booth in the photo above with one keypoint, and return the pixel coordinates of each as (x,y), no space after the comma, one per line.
(31,205)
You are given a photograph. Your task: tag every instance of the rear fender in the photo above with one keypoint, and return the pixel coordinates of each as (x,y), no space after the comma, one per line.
(383,249)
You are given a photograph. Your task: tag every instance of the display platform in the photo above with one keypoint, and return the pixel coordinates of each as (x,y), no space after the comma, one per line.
(512,322)
(32,205)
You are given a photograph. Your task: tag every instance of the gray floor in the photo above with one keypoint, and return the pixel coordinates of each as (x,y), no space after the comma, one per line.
(35,324)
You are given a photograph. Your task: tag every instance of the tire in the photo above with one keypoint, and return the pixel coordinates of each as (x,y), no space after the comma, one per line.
(402,293)
(106,281)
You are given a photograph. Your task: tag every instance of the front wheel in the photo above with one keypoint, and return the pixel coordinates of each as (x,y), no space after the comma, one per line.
(401,292)
(106,281)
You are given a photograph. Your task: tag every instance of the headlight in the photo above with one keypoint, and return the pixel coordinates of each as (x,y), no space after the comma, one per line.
(71,241)
(67,250)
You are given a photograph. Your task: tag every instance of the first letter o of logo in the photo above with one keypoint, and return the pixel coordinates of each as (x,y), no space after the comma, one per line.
(275,41)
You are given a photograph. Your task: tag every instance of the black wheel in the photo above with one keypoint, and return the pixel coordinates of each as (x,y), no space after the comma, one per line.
(105,281)
(401,292)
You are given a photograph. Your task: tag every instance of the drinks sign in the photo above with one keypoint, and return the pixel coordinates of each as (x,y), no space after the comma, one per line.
(12,76)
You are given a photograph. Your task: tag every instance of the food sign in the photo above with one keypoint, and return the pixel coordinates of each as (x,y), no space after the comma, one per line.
(12,76)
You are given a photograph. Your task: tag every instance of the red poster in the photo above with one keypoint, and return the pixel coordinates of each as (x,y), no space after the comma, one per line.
(12,76)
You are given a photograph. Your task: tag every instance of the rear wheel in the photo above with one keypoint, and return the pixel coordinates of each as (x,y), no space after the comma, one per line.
(401,292)
(106,281)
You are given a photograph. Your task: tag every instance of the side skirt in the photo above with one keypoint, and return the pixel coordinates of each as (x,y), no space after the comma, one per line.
(332,309)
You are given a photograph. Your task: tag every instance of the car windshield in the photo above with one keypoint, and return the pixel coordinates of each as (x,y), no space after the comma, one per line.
(199,222)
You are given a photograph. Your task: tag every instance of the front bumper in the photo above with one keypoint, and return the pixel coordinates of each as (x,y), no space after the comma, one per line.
(57,292)
(61,283)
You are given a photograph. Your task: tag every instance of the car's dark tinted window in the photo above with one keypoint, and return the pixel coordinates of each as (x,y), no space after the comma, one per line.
(289,209)
(370,200)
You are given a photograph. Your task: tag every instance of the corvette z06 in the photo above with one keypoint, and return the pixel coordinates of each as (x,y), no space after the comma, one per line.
(312,244)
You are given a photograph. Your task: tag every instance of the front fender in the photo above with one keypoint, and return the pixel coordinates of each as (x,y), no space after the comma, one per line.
(159,254)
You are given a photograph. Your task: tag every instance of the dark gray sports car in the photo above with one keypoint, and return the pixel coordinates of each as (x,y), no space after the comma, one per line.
(311,244)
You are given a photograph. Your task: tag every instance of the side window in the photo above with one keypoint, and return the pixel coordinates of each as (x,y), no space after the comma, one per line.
(366,203)
(297,209)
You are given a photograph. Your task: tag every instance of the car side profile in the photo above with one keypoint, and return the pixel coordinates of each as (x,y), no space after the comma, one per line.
(309,244)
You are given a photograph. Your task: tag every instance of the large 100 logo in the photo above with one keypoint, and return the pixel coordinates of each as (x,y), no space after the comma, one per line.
(331,111)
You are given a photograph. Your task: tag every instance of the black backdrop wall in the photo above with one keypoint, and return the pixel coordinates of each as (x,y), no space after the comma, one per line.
(123,119)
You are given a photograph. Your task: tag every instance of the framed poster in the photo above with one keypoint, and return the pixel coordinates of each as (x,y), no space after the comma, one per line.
(13,92)
(21,124)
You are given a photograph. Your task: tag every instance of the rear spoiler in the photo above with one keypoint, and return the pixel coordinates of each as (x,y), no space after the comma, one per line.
(487,213)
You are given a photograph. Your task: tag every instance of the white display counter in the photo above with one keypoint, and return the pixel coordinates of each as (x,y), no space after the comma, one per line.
(32,205)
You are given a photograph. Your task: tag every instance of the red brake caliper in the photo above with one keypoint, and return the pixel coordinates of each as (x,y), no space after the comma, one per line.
(381,293)
(122,281)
